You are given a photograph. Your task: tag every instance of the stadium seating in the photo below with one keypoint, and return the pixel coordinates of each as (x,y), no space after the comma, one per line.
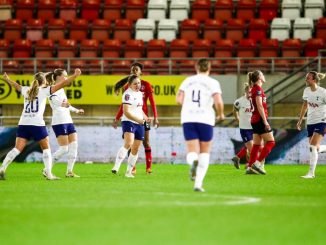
(120,67)
(54,64)
(24,9)
(67,48)
(56,29)
(224,48)
(321,28)
(78,29)
(22,48)
(247,48)
(111,48)
(303,28)
(145,29)
(34,29)
(13,29)
(100,29)
(201,48)
(200,10)
(122,29)
(156,48)
(6,7)
(186,66)
(167,29)
(235,29)
(68,9)
(89,48)
(157,9)
(179,48)
(257,29)
(246,9)
(134,49)
(179,9)
(4,48)
(135,9)
(112,9)
(291,9)
(189,29)
(44,48)
(280,28)
(312,46)
(11,66)
(223,9)
(46,9)
(269,48)
(314,9)
(213,29)
(90,9)
(268,9)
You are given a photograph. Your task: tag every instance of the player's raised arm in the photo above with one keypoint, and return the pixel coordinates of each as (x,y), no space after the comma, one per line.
(6,78)
(65,82)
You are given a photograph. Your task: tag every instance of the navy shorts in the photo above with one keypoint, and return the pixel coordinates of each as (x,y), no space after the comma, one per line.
(259,128)
(246,135)
(201,131)
(136,129)
(64,129)
(28,132)
(316,128)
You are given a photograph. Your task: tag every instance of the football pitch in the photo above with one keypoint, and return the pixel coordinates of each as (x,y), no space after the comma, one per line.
(101,208)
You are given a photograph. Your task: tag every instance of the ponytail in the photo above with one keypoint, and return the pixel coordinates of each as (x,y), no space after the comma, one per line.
(39,79)
(120,84)
(317,76)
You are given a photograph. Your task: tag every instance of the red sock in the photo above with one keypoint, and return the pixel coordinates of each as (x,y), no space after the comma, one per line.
(266,150)
(242,153)
(148,154)
(254,154)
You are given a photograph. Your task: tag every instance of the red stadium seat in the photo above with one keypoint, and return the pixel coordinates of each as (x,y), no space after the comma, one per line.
(134,49)
(46,9)
(68,9)
(34,29)
(135,9)
(213,29)
(189,29)
(112,9)
(111,48)
(313,45)
(247,48)
(179,48)
(78,29)
(149,67)
(67,48)
(122,29)
(4,48)
(78,63)
(6,7)
(54,64)
(235,29)
(200,10)
(268,9)
(44,48)
(13,29)
(187,66)
(216,67)
(201,48)
(90,9)
(269,48)
(321,28)
(156,48)
(56,29)
(224,48)
(89,48)
(258,29)
(24,9)
(100,30)
(223,9)
(22,48)
(96,67)
(121,67)
(31,66)
(11,66)
(291,48)
(166,67)
(246,9)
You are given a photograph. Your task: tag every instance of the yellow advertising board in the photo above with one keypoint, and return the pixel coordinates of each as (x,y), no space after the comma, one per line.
(97,90)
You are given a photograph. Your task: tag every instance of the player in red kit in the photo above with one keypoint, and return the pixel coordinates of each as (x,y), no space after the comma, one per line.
(262,131)
(146,89)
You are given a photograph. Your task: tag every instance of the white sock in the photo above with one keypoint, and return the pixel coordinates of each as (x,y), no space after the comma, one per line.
(191,157)
(132,159)
(72,155)
(122,153)
(313,159)
(47,160)
(11,155)
(60,152)
(322,148)
(203,162)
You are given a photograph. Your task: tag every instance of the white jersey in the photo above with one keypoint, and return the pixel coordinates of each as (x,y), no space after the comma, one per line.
(33,110)
(60,115)
(198,100)
(135,100)
(244,108)
(316,105)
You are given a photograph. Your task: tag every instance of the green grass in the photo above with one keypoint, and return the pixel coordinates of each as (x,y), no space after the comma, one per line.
(100,208)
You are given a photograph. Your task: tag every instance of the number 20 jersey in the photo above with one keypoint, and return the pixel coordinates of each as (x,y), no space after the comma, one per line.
(33,110)
(198,99)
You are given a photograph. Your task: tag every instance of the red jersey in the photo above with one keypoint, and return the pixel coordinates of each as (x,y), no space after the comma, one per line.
(147,91)
(255,92)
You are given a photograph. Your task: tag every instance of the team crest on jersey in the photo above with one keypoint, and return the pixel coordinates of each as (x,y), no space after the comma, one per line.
(127,97)
(258,92)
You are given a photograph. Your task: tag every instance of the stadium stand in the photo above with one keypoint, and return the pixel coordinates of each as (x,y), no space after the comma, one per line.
(112,9)
(134,49)
(145,29)
(157,9)
(56,29)
(223,9)
(78,29)
(303,28)
(313,45)
(291,9)
(13,29)
(111,48)
(89,48)
(46,9)
(213,29)
(122,29)
(34,29)
(24,9)
(257,29)
(135,9)
(280,28)
(6,7)
(90,9)
(22,48)
(179,48)
(235,29)
(200,10)
(4,48)
(68,10)
(321,28)
(156,48)
(100,29)
(189,29)
(201,48)
(314,9)
(67,48)
(246,9)
(268,9)
(179,9)
(167,29)
(44,48)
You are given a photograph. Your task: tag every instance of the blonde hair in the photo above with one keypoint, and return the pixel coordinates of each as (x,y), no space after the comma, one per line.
(253,77)
(38,81)
(247,87)
(317,76)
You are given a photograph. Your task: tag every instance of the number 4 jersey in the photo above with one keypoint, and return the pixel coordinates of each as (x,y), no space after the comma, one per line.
(198,99)
(33,110)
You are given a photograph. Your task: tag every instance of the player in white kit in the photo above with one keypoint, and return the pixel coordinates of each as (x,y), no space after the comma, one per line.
(197,95)
(132,123)
(31,124)
(314,101)
(62,123)
(242,113)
